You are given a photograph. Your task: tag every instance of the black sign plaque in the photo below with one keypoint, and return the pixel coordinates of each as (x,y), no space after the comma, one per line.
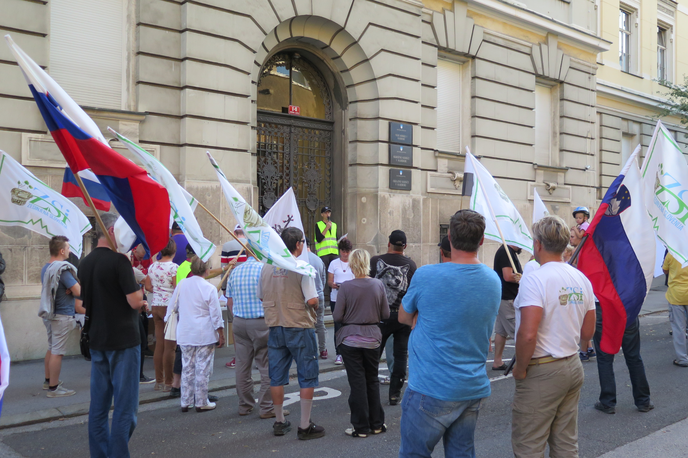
(400,133)
(401,155)
(400,179)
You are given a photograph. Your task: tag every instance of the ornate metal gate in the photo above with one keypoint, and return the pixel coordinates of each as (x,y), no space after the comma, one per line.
(294,151)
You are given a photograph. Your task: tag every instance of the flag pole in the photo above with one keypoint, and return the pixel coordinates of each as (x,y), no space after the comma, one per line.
(113,247)
(227,229)
(494,218)
(229,270)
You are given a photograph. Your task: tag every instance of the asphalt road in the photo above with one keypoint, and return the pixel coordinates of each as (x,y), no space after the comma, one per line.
(164,431)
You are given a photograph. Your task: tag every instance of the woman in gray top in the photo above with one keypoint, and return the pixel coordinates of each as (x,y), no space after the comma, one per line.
(361,305)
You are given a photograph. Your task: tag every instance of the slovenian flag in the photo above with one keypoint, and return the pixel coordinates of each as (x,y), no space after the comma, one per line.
(618,256)
(70,188)
(142,202)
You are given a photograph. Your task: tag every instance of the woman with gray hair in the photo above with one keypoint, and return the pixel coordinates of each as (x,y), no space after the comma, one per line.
(555,309)
(361,305)
(200,328)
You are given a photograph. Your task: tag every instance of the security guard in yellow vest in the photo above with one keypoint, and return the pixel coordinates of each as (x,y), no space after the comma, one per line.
(326,238)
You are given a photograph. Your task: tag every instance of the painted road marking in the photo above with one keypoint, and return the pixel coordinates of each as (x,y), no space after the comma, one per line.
(329,393)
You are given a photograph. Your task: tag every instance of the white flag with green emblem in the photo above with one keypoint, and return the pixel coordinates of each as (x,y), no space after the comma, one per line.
(263,239)
(182,204)
(488,199)
(665,179)
(27,202)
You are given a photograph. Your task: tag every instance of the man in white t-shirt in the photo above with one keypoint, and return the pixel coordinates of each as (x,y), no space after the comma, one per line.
(555,308)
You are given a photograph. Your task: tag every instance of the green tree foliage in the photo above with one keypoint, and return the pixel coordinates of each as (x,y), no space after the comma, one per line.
(676,101)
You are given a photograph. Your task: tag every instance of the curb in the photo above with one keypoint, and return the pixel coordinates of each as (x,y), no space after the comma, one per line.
(75,410)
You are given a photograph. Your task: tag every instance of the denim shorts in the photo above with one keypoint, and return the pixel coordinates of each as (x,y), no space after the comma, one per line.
(287,344)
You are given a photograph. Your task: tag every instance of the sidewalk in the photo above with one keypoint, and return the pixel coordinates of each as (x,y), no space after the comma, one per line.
(26,403)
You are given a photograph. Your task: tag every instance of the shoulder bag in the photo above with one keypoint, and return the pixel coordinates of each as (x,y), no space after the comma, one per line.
(171,325)
(85,341)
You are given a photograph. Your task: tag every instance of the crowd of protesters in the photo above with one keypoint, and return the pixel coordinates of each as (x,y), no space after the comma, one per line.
(548,308)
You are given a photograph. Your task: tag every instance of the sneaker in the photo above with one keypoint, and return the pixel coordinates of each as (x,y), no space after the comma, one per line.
(271,414)
(323,354)
(646,408)
(231,364)
(591,354)
(584,357)
(607,409)
(353,433)
(338,360)
(207,407)
(146,380)
(176,392)
(46,385)
(384,380)
(280,429)
(312,432)
(60,392)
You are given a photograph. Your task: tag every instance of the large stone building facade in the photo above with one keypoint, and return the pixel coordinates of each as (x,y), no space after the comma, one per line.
(306,93)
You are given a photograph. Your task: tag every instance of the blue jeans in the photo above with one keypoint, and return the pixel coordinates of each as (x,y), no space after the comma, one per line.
(426,420)
(636,369)
(297,344)
(113,374)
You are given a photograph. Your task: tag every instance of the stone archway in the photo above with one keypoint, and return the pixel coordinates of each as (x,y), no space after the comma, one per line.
(349,77)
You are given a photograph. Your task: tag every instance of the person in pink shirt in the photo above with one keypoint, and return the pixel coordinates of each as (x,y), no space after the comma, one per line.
(582,215)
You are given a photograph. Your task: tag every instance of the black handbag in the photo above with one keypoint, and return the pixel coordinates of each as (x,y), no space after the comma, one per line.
(84,342)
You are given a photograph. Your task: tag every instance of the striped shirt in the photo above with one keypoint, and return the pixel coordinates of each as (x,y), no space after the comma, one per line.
(242,287)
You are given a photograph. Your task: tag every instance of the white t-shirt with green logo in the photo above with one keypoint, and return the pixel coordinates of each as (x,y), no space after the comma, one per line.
(565,295)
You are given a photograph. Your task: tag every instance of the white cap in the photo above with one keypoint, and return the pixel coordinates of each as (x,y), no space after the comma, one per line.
(237,227)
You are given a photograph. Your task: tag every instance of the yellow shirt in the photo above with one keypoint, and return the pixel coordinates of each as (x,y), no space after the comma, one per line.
(677,293)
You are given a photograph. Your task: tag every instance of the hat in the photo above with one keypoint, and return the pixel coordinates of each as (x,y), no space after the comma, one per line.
(397,238)
(445,244)
(237,227)
(325,209)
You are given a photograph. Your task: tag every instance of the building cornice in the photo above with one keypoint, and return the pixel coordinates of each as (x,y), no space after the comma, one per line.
(624,94)
(542,23)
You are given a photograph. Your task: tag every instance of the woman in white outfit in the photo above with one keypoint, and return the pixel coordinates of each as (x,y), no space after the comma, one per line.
(200,328)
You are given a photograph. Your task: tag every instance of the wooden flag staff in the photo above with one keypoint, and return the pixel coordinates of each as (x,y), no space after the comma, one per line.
(230,232)
(229,270)
(113,247)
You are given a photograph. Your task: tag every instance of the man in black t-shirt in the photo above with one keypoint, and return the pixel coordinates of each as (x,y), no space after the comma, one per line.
(506,317)
(395,271)
(113,301)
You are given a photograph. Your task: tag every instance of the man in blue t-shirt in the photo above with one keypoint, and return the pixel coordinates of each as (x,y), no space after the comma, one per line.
(452,308)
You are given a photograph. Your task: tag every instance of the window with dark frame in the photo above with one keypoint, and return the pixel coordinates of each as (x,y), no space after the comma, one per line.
(625,40)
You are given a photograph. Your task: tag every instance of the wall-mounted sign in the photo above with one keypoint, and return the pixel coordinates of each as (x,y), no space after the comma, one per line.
(400,133)
(401,155)
(294,110)
(400,179)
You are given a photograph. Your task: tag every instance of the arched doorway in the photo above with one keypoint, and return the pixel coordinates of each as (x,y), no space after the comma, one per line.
(294,150)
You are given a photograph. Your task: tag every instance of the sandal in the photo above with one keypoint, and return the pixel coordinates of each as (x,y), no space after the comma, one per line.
(382,429)
(676,363)
(353,433)
(500,368)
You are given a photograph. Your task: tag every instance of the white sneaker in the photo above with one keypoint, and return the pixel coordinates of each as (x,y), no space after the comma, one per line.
(208,406)
(60,392)
(338,360)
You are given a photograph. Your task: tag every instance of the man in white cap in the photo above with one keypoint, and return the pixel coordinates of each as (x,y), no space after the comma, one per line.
(230,251)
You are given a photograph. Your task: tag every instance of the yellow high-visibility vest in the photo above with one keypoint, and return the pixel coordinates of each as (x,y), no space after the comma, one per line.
(329,243)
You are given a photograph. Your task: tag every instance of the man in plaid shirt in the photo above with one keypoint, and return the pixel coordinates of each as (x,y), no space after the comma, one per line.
(250,337)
